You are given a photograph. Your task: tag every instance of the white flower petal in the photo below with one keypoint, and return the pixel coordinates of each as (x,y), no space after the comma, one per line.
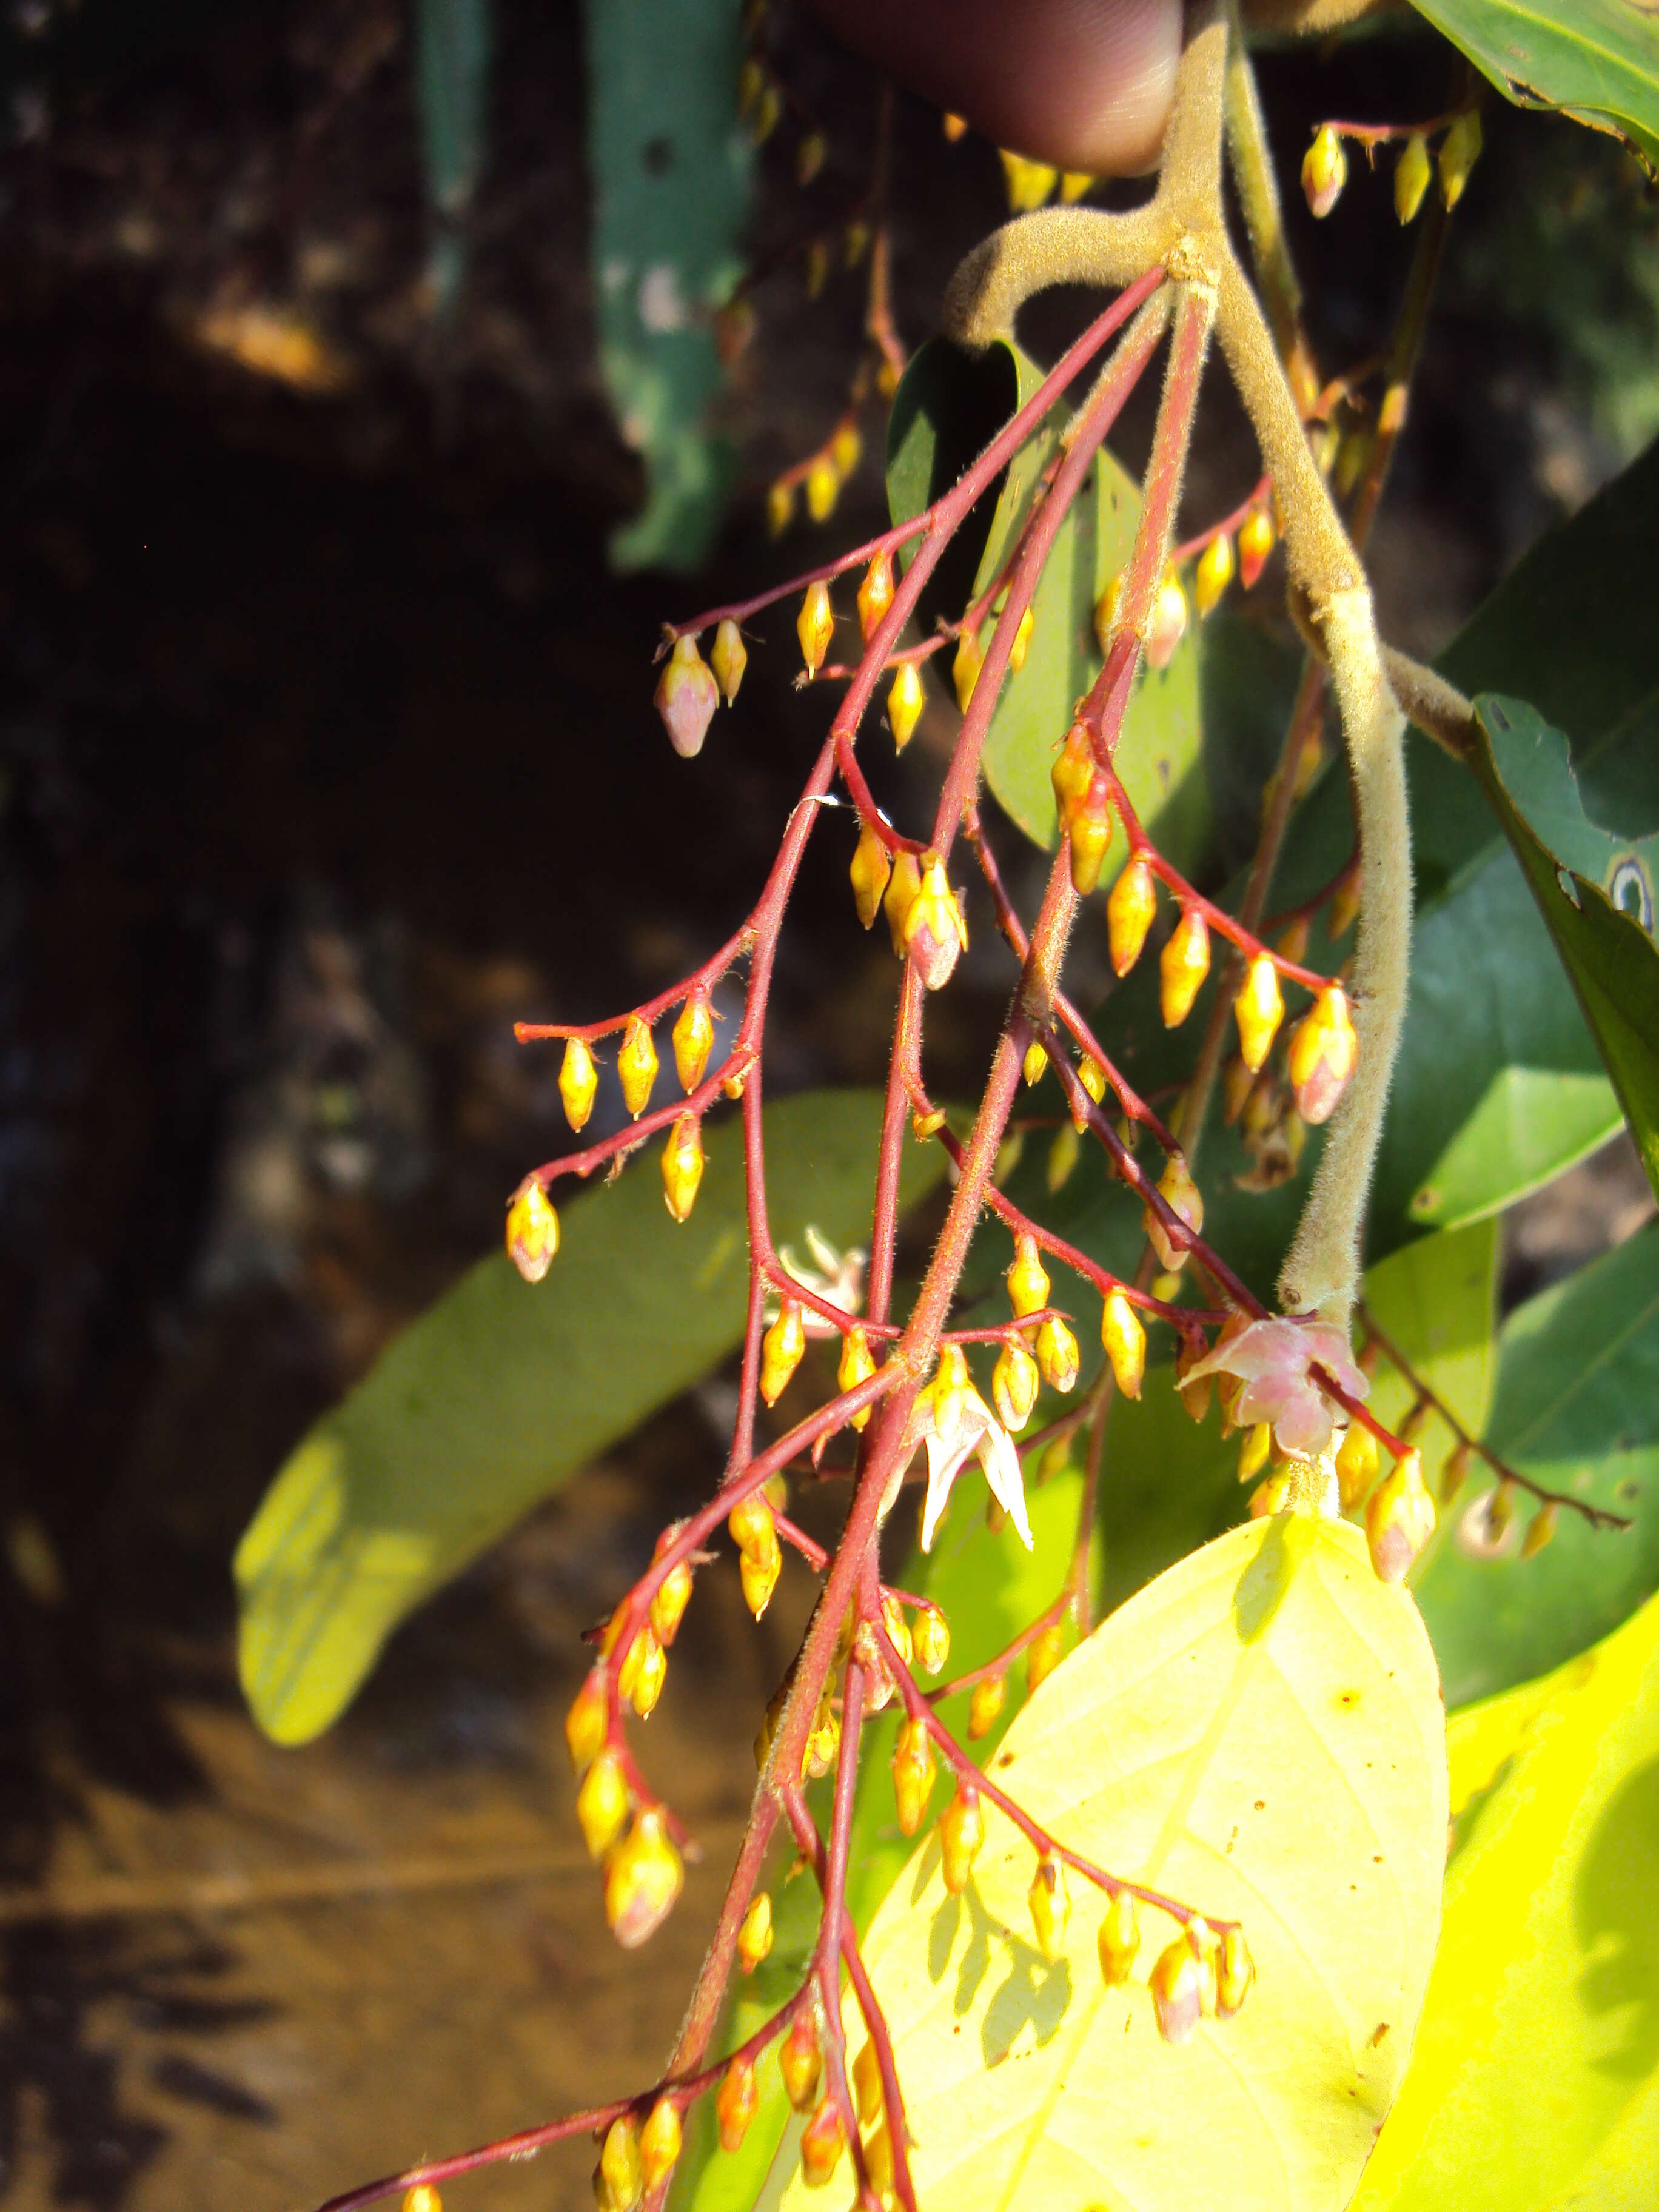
(945,1463)
(1001,1460)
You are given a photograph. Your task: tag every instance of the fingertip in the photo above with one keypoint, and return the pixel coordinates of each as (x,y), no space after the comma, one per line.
(1083,84)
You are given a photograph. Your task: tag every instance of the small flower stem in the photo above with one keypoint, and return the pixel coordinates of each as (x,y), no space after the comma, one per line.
(1229,522)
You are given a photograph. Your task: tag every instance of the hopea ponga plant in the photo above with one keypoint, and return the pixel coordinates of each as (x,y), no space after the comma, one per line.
(924,1399)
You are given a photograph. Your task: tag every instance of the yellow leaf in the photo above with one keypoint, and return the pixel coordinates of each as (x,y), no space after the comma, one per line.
(1534,2087)
(1259,1734)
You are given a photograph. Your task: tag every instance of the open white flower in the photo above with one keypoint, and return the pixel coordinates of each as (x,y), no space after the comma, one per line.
(837,1278)
(956,1425)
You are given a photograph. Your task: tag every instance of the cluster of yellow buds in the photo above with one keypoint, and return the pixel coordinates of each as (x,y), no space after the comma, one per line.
(754,1530)
(824,474)
(1200,1975)
(1398,1518)
(690,689)
(533,1232)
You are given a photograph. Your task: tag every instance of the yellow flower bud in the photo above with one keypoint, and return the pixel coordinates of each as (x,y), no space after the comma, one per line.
(587,1725)
(902,886)
(1073,183)
(1177,1987)
(875,596)
(965,668)
(1399,1519)
(1271,1496)
(822,479)
(780,507)
(815,625)
(650,1671)
(682,1166)
(855,244)
(1253,1450)
(1180,1194)
(1411,174)
(1035,1066)
(578,1082)
(954,127)
(660,2143)
(1042,1654)
(1460,150)
(1014,1385)
(905,701)
(602,1803)
(533,1232)
(1166,625)
(694,1039)
(1063,1154)
(735,2103)
(1182,966)
(1073,773)
(781,1348)
(1323,1050)
(768,114)
(1092,1076)
(1089,834)
(668,1606)
(932,1639)
(846,449)
(1324,170)
(913,1774)
(800,2062)
(1057,1355)
(1235,1971)
(1106,608)
(1029,183)
(1124,1341)
(686,696)
(728,657)
(985,1704)
(636,1065)
(759,1572)
(856,1366)
(1214,573)
(423,2198)
(1050,1900)
(1027,1278)
(1357,1463)
(1130,906)
(1119,1938)
(751,1525)
(1258,1008)
(642,1877)
(961,1833)
(935,935)
(755,1932)
(1540,1529)
(1021,645)
(878,2162)
(619,2182)
(822,2141)
(869,872)
(866,2086)
(1256,543)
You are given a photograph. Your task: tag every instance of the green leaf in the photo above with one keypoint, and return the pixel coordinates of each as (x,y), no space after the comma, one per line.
(1576,1407)
(671,168)
(1535,2083)
(943,415)
(502,1392)
(1596,60)
(1266,1691)
(1594,889)
(989,1587)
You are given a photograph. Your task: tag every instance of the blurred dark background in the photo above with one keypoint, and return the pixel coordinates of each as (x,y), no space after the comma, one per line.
(328,751)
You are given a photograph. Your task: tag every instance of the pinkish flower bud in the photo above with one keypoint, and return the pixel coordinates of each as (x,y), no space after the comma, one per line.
(687,695)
